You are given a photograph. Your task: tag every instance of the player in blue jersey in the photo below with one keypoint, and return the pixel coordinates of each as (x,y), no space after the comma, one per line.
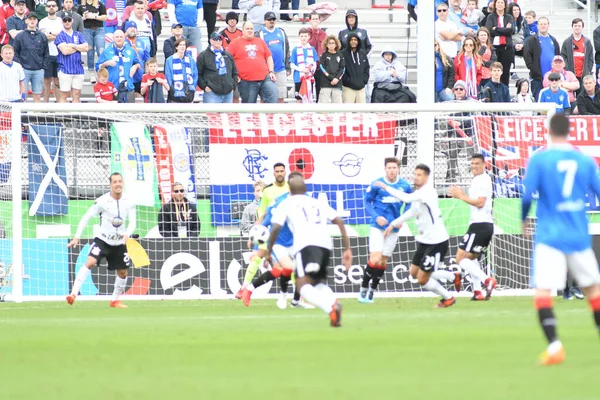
(561,175)
(282,257)
(383,208)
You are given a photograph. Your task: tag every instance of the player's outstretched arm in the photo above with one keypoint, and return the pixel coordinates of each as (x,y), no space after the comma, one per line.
(397,223)
(347,254)
(91,212)
(400,195)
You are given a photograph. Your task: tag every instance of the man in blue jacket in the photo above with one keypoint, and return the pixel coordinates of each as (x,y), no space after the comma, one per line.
(31,51)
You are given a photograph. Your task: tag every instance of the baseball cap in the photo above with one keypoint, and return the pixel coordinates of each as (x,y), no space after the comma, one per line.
(270,15)
(216,36)
(20,1)
(67,15)
(177,25)
(32,15)
(558,58)
(130,24)
(461,84)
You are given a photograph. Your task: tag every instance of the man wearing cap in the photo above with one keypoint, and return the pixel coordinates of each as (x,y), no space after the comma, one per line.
(539,51)
(67,6)
(31,51)
(554,94)
(278,43)
(568,80)
(143,25)
(51,26)
(352,28)
(460,90)
(16,24)
(231,31)
(257,9)
(169,44)
(70,45)
(188,13)
(142,51)
(217,73)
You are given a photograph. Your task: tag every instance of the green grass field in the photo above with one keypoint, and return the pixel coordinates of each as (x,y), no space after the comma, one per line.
(393,349)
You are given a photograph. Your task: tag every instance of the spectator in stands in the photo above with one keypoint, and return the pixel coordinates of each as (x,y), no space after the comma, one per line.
(70,45)
(67,6)
(231,31)
(332,66)
(353,29)
(460,90)
(444,75)
(249,214)
(487,53)
(495,91)
(182,74)
(578,53)
(538,52)
(597,47)
(531,24)
(210,16)
(217,73)
(104,90)
(38,7)
(303,61)
(179,217)
(12,77)
(256,10)
(131,7)
(389,69)
(141,50)
(472,16)
(143,24)
(6,11)
(518,36)
(296,7)
(410,7)
(278,43)
(31,51)
(51,26)
(523,93)
(356,76)
(467,67)
(317,38)
(121,62)
(189,14)
(94,15)
(455,14)
(447,33)
(16,23)
(568,80)
(501,25)
(554,94)
(254,63)
(169,44)
(154,83)
(588,101)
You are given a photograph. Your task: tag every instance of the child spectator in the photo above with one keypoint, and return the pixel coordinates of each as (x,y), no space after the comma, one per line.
(154,83)
(472,15)
(303,61)
(531,25)
(523,95)
(332,66)
(104,90)
(554,94)
(495,91)
(487,53)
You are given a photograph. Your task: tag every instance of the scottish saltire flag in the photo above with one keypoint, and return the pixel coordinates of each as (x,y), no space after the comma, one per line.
(132,155)
(174,160)
(48,192)
(338,155)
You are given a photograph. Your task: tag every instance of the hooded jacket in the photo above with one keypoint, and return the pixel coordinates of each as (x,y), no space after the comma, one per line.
(362,34)
(208,75)
(382,71)
(356,76)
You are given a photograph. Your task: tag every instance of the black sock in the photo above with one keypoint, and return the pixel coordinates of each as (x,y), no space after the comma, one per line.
(597,319)
(296,296)
(264,278)
(367,277)
(377,274)
(548,323)
(283,283)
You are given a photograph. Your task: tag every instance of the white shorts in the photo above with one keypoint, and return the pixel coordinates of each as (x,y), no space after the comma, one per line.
(550,268)
(68,82)
(377,243)
(281,82)
(283,255)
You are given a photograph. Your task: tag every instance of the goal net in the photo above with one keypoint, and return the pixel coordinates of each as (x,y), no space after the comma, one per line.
(56,160)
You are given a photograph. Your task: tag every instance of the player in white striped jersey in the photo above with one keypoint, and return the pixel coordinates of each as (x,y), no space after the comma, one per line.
(432,237)
(481,228)
(113,210)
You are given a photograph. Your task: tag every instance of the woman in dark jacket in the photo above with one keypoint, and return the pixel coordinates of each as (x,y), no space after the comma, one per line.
(444,75)
(501,26)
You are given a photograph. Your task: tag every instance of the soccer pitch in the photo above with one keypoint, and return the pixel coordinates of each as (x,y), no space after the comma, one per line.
(393,349)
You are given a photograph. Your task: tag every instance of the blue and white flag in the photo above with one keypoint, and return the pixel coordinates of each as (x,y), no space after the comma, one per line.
(48,192)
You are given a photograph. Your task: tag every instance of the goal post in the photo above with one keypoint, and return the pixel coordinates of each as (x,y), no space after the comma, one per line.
(61,157)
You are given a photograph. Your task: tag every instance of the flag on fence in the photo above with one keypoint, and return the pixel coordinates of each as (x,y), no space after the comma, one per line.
(174,160)
(5,151)
(132,156)
(48,192)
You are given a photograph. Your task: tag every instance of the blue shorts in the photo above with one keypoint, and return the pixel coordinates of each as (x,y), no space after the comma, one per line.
(37,80)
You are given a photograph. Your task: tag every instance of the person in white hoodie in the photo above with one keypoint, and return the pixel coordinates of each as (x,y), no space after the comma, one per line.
(523,95)
(389,69)
(257,10)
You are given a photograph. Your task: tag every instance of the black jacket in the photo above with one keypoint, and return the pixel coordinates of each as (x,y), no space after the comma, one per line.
(597,44)
(31,50)
(169,47)
(448,74)
(491,24)
(532,53)
(362,34)
(333,65)
(357,66)
(587,106)
(208,75)
(168,224)
(499,92)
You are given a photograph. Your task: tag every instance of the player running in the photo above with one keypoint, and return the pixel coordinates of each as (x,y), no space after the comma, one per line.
(432,239)
(561,175)
(383,208)
(269,194)
(481,229)
(113,210)
(307,219)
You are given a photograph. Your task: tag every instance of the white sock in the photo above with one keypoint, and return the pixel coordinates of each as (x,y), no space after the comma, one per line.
(434,286)
(443,274)
(82,275)
(472,268)
(250,287)
(316,297)
(554,347)
(120,284)
(327,293)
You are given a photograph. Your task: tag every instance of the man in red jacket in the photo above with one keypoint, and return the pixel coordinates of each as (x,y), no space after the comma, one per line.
(316,39)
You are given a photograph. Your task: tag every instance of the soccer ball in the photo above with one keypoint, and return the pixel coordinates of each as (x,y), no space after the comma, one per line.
(259,234)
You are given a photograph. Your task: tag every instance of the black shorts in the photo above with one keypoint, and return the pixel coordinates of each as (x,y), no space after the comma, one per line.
(313,261)
(478,238)
(51,71)
(116,256)
(137,87)
(428,257)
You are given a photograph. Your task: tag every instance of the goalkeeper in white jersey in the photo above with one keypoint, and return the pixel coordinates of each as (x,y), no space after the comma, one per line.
(432,238)
(113,210)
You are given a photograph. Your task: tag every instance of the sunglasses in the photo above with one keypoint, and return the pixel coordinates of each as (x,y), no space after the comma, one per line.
(272,19)
(459,89)
(51,5)
(218,39)
(554,80)
(443,10)
(68,20)
(468,45)
(179,191)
